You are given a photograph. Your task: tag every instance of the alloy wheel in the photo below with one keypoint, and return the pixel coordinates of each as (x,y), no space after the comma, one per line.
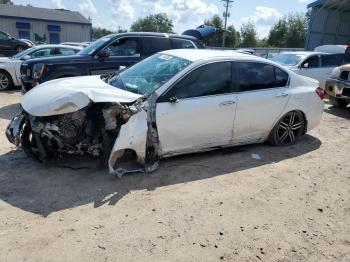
(290,128)
(4,81)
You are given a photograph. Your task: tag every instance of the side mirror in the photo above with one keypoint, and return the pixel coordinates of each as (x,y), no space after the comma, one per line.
(103,54)
(306,65)
(173,99)
(121,68)
(26,57)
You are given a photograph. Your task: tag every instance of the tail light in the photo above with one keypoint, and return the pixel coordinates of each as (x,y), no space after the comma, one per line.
(320,92)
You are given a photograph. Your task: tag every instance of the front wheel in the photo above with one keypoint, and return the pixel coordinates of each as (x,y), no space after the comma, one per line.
(288,129)
(338,102)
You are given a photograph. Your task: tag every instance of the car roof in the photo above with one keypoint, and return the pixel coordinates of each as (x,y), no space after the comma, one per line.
(194,55)
(155,34)
(303,53)
(53,45)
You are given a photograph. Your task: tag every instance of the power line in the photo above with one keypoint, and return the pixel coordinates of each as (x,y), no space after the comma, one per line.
(226,14)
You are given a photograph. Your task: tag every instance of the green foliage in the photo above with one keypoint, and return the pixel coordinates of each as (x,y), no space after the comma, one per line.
(9,2)
(98,32)
(248,35)
(232,38)
(289,31)
(153,23)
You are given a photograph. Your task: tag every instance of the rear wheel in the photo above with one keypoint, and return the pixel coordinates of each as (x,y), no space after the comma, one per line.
(288,130)
(338,102)
(5,81)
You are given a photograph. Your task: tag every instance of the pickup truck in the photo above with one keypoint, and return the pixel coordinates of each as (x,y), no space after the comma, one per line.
(338,86)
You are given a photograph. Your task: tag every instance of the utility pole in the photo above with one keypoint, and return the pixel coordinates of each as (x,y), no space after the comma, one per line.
(226,15)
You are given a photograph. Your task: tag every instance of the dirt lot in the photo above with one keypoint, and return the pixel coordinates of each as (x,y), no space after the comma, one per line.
(291,205)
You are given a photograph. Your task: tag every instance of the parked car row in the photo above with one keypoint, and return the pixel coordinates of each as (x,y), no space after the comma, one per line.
(173,102)
(10,66)
(106,55)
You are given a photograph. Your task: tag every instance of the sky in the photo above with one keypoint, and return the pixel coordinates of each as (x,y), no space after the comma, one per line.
(186,14)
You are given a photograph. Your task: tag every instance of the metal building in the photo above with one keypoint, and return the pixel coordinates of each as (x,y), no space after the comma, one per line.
(42,24)
(329,23)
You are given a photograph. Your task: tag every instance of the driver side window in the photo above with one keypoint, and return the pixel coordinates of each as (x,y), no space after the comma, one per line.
(210,79)
(41,52)
(124,47)
(313,62)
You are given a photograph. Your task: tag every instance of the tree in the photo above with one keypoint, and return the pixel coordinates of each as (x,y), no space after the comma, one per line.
(297,27)
(289,31)
(216,39)
(278,33)
(248,35)
(232,37)
(9,2)
(98,32)
(153,23)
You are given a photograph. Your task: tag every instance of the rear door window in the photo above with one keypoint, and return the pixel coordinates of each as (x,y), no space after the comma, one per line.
(255,76)
(152,45)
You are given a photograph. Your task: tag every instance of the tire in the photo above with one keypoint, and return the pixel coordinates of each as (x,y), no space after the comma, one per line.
(19,48)
(338,102)
(288,129)
(6,82)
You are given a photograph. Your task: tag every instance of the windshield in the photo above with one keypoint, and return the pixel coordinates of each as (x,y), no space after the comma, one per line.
(95,45)
(148,75)
(23,53)
(288,59)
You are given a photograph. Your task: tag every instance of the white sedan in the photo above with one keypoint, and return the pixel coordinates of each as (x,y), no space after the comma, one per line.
(10,74)
(174,102)
(316,65)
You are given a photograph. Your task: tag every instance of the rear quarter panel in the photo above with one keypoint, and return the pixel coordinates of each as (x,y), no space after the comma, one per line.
(303,97)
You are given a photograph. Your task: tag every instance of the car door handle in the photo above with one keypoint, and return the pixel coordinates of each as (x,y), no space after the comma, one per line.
(281,95)
(227,103)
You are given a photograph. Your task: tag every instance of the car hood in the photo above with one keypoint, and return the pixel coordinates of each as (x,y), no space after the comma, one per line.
(67,95)
(5,59)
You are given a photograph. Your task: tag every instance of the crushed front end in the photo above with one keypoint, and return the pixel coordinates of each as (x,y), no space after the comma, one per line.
(117,134)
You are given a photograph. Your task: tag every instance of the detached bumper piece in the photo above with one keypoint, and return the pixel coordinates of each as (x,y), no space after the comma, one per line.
(13,130)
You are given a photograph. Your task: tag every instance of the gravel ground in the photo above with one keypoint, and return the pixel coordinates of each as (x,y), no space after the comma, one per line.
(291,205)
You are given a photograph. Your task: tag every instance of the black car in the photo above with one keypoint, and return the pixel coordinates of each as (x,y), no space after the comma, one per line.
(108,54)
(10,45)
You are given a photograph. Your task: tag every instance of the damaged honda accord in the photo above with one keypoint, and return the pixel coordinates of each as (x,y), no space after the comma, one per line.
(174,102)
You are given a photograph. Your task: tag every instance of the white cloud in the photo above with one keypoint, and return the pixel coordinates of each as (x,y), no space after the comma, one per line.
(263,15)
(87,8)
(263,18)
(304,1)
(58,4)
(123,8)
(185,14)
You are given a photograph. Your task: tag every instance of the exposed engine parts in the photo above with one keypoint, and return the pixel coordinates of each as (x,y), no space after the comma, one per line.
(93,131)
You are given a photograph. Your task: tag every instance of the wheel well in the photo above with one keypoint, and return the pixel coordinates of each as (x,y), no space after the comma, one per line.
(305,120)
